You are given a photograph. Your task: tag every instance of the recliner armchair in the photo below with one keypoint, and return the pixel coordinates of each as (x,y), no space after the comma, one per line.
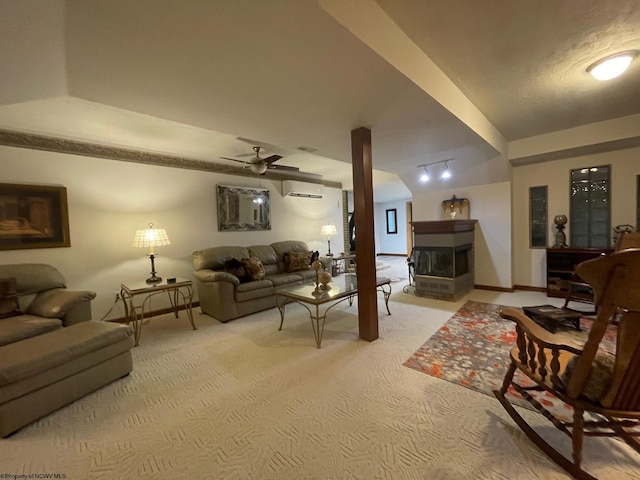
(51,352)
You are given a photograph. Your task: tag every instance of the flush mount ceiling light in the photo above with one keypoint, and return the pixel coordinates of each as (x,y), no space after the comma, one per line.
(446,173)
(612,66)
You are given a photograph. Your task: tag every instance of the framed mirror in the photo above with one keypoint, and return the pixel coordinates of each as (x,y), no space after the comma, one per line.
(243,208)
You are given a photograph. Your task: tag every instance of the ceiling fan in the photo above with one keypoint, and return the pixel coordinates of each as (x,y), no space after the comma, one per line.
(260,165)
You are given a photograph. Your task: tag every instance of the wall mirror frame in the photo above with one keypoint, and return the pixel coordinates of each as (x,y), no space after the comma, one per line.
(243,209)
(392,221)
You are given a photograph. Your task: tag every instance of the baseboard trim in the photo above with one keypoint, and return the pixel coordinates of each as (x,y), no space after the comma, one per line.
(530,289)
(493,289)
(155,313)
(391,254)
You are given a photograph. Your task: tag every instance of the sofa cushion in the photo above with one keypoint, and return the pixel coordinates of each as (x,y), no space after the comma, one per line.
(236,268)
(19,361)
(33,277)
(215,257)
(265,253)
(296,261)
(253,290)
(254,268)
(9,305)
(20,327)
(57,302)
(283,279)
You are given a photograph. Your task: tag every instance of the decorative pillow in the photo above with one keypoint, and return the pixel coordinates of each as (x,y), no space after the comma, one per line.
(9,305)
(296,261)
(254,268)
(236,267)
(599,377)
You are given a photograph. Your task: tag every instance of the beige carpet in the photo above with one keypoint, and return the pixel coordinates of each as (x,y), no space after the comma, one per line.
(243,400)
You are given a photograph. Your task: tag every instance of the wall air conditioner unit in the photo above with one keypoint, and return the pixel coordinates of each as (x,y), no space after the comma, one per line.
(294,188)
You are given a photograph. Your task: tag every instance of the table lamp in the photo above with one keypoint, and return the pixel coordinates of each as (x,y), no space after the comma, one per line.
(329,230)
(151,237)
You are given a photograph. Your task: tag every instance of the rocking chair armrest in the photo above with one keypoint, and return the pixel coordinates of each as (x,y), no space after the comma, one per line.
(535,332)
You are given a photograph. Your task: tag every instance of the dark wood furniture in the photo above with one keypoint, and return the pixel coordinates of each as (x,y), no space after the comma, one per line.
(561,268)
(571,373)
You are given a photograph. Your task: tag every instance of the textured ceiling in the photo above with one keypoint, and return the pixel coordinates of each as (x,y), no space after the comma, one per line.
(208,79)
(523,64)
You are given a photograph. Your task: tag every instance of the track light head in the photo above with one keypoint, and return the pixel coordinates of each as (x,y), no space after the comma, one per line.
(445,173)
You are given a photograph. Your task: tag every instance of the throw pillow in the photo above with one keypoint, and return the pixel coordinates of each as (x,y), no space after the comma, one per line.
(600,376)
(9,305)
(254,268)
(296,261)
(236,267)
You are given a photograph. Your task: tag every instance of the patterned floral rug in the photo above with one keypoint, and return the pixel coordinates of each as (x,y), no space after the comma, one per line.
(472,350)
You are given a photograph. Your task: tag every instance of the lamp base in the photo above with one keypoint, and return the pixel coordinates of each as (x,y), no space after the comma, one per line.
(329,254)
(153,278)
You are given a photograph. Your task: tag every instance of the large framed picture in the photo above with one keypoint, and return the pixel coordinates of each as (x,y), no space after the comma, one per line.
(33,216)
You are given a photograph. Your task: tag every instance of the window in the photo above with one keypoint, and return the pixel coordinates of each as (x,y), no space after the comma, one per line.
(392,221)
(538,217)
(590,217)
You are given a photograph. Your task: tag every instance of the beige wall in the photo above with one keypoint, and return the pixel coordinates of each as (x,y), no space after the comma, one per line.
(530,264)
(109,200)
(491,206)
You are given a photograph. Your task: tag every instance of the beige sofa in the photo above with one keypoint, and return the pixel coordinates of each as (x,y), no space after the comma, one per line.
(224,297)
(51,352)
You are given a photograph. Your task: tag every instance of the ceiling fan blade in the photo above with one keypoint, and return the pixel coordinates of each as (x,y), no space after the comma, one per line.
(284,167)
(272,158)
(234,160)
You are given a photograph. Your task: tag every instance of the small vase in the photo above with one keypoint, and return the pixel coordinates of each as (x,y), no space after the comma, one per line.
(324,278)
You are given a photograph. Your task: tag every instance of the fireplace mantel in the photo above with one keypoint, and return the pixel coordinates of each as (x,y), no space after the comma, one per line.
(443,226)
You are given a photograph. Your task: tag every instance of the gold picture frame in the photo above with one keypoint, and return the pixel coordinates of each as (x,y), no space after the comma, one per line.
(33,216)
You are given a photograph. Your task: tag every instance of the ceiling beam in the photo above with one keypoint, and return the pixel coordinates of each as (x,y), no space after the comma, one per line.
(74,147)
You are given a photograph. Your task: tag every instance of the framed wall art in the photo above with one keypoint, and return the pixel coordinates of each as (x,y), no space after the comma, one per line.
(33,216)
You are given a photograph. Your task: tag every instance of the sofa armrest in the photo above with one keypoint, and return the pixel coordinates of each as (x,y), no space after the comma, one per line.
(58,302)
(207,275)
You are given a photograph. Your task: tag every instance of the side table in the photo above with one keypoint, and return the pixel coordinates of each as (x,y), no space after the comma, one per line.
(180,289)
(339,264)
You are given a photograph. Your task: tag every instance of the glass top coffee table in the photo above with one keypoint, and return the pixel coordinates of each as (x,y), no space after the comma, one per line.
(343,287)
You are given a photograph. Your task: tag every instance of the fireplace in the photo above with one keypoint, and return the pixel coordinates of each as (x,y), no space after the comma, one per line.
(443,258)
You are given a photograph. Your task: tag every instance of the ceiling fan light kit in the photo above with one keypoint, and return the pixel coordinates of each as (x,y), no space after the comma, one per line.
(612,66)
(259,165)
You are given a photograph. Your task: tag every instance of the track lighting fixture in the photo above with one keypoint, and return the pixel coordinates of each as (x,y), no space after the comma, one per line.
(446,173)
(425,176)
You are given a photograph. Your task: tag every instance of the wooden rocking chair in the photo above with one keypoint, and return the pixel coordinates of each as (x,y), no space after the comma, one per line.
(588,379)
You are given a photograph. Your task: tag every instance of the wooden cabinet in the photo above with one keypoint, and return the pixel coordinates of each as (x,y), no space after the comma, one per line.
(562,264)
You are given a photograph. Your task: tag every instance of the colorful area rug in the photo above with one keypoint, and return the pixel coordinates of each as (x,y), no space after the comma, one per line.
(472,349)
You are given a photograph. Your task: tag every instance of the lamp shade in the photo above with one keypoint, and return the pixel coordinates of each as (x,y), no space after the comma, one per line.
(151,237)
(328,230)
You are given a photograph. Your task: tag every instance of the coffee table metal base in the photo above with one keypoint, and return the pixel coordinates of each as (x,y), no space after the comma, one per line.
(317,316)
